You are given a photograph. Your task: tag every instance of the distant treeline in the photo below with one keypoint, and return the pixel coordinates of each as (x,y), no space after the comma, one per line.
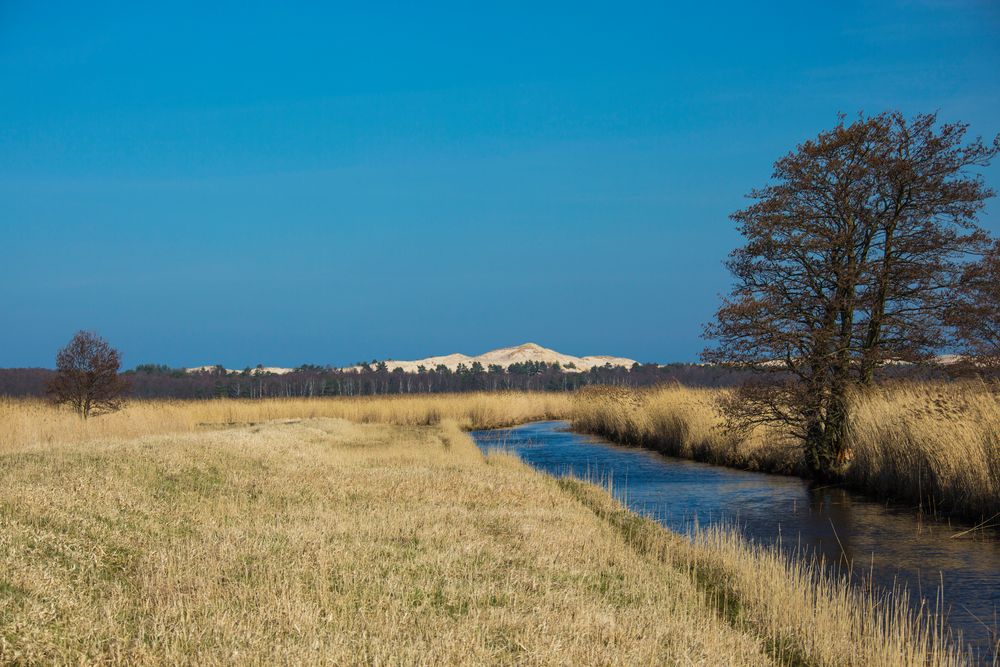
(159,381)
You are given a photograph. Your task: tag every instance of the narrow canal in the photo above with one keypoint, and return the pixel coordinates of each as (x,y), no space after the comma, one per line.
(896,545)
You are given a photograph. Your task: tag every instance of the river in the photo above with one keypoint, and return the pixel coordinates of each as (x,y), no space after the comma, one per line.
(896,545)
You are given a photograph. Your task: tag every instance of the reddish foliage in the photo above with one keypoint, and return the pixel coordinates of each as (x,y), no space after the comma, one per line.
(87,376)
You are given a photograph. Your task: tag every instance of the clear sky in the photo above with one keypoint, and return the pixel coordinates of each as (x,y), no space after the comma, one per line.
(279,184)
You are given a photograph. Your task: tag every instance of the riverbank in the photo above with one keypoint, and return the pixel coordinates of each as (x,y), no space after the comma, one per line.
(884,546)
(935,446)
(322,540)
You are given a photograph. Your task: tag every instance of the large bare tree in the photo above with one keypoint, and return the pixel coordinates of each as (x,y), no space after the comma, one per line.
(87,376)
(850,255)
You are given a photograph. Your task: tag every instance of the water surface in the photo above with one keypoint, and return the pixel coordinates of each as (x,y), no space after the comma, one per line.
(893,544)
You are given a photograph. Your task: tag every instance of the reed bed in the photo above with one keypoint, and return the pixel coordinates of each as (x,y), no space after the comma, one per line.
(934,445)
(36,422)
(684,422)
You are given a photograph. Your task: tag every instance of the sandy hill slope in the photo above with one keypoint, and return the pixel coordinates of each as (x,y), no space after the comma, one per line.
(503,357)
(275,370)
(506,356)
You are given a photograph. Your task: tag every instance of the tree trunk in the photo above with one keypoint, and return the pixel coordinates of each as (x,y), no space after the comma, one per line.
(826,436)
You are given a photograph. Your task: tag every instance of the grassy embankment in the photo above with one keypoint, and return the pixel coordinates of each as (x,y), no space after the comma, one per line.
(322,540)
(935,445)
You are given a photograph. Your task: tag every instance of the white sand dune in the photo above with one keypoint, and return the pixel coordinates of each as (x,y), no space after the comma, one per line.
(503,357)
(275,370)
(506,356)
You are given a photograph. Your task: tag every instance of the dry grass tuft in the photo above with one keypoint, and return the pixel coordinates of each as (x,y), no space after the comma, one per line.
(937,445)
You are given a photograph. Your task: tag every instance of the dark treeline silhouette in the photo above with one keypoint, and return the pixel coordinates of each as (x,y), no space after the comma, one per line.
(158,381)
(24,381)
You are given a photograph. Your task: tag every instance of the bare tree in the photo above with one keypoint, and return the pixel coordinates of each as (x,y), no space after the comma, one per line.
(975,310)
(851,254)
(87,376)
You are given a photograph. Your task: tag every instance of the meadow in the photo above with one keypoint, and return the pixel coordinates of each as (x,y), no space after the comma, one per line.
(933,445)
(30,422)
(374,531)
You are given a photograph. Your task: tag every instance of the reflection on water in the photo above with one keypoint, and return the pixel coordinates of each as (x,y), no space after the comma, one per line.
(895,545)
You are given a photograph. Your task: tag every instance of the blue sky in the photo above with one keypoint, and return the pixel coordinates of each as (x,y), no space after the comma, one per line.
(261,183)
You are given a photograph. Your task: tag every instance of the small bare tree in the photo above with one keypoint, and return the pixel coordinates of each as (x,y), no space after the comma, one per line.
(87,376)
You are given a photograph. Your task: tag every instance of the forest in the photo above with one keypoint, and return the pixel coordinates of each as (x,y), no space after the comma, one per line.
(376,378)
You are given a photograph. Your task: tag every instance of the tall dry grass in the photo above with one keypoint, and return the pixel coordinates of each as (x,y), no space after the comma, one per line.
(802,612)
(36,422)
(684,422)
(936,445)
(305,541)
(326,542)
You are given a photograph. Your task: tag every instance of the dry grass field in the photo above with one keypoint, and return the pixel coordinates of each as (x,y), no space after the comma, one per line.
(313,539)
(932,444)
(25,422)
